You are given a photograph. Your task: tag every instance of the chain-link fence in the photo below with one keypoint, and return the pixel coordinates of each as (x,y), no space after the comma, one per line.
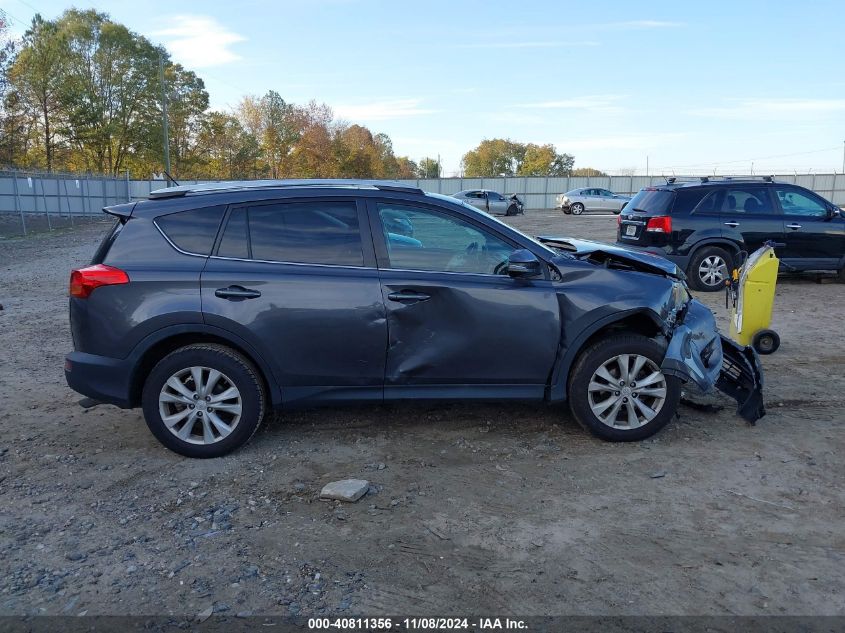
(32,202)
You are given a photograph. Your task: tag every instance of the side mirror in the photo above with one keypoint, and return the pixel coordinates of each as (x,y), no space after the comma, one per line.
(834,212)
(523,263)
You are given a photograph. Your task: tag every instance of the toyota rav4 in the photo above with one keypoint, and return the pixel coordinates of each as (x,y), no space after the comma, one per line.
(209,305)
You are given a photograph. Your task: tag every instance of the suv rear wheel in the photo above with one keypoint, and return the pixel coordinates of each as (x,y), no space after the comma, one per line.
(203,400)
(618,392)
(709,268)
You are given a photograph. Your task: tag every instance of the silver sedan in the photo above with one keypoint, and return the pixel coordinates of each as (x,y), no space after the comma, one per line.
(490,201)
(591,199)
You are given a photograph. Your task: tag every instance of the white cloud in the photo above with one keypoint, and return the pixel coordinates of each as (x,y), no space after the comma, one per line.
(199,41)
(772,109)
(530,44)
(381,110)
(595,103)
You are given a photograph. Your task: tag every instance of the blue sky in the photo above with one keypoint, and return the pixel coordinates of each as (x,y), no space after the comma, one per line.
(687,86)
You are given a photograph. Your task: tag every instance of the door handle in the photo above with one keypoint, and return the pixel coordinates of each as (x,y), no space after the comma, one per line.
(408,296)
(793,226)
(732,224)
(236,293)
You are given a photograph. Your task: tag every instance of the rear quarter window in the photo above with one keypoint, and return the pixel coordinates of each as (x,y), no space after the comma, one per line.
(687,199)
(193,231)
(652,202)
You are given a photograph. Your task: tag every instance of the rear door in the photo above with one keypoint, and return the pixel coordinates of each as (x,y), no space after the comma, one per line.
(750,215)
(814,239)
(458,325)
(297,280)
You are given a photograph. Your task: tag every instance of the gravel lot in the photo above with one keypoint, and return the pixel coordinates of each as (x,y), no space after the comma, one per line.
(485,509)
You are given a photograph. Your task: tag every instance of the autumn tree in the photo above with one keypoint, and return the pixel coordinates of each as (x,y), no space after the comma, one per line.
(503,157)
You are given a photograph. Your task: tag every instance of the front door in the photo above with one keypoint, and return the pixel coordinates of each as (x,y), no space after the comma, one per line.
(814,239)
(296,281)
(457,324)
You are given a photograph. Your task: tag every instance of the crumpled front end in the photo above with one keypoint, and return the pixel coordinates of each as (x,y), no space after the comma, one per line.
(698,353)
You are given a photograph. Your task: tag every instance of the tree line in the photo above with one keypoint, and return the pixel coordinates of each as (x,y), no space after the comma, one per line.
(82,93)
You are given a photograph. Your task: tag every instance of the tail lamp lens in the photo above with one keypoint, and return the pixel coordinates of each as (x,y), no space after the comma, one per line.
(659,224)
(83,281)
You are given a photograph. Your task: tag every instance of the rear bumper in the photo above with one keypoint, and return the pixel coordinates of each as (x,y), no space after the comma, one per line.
(681,260)
(101,378)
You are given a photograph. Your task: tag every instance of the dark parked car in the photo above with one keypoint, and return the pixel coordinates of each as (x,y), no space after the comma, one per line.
(704,225)
(209,305)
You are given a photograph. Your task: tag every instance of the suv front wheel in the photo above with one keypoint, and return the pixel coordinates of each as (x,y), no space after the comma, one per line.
(618,392)
(203,400)
(709,268)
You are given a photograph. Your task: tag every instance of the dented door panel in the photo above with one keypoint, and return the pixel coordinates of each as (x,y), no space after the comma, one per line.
(469,329)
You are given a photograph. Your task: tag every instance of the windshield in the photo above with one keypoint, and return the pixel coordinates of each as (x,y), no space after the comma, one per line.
(506,226)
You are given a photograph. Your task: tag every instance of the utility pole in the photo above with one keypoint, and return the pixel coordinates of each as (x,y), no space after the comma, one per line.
(164,123)
(843,157)
(646,165)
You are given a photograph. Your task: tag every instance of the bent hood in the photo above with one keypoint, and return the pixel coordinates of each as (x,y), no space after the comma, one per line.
(638,260)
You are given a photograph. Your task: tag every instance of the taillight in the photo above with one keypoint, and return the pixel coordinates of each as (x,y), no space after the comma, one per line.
(659,224)
(83,281)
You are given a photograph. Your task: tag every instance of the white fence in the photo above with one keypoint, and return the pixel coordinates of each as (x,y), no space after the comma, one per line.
(34,201)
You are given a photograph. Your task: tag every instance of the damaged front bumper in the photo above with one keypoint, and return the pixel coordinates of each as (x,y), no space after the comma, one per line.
(698,353)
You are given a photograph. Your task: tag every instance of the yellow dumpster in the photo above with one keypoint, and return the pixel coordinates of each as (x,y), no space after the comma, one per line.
(752,292)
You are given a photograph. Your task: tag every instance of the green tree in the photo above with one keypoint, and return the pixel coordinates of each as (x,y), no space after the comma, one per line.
(187,101)
(38,76)
(587,172)
(111,92)
(428,168)
(406,169)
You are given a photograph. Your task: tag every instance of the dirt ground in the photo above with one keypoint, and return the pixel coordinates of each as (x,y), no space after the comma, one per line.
(484,509)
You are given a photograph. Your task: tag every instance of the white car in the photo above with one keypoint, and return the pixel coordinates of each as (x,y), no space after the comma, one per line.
(591,199)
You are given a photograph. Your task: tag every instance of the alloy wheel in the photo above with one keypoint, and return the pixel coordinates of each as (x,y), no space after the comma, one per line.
(627,391)
(713,270)
(200,405)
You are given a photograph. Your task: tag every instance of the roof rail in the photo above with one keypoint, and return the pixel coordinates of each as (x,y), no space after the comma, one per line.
(251,185)
(704,179)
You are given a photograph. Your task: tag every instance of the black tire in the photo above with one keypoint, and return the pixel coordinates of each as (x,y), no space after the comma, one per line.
(236,369)
(512,210)
(576,208)
(841,275)
(566,210)
(709,253)
(766,342)
(597,355)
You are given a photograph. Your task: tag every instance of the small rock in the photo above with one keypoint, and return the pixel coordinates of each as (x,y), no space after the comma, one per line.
(299,487)
(75,556)
(345,490)
(658,474)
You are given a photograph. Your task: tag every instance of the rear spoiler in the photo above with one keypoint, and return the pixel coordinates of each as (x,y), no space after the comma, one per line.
(121,211)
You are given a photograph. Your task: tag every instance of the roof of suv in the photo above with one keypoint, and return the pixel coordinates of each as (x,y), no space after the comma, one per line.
(673,183)
(242,185)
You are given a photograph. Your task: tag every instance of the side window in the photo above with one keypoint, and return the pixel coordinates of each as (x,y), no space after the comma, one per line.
(796,202)
(298,232)
(192,231)
(712,203)
(423,239)
(473,194)
(747,201)
(605,193)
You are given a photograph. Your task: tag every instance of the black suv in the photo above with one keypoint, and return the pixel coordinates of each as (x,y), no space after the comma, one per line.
(209,305)
(705,224)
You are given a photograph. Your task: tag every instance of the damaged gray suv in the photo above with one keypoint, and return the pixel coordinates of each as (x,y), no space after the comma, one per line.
(210,305)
